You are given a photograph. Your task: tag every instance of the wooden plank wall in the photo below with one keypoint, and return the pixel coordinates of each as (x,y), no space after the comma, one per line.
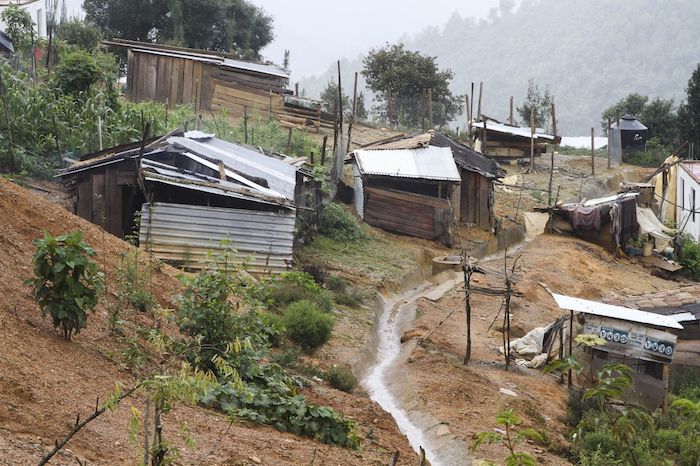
(408,213)
(100,199)
(476,203)
(170,80)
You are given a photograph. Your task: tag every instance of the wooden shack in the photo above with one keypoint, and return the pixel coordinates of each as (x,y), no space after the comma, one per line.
(196,195)
(503,141)
(213,81)
(408,191)
(641,340)
(474,204)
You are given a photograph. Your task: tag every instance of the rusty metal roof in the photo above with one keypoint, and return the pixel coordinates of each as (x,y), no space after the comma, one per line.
(430,163)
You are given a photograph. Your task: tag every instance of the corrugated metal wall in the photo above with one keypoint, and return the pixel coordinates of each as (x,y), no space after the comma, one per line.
(188,236)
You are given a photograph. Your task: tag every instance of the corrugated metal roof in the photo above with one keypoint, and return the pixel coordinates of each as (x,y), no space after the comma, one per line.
(192,236)
(157,172)
(280,176)
(255,67)
(513,130)
(431,163)
(614,312)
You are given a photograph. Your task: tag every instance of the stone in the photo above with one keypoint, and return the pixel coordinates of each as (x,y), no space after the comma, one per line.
(507,392)
(442,430)
(255,459)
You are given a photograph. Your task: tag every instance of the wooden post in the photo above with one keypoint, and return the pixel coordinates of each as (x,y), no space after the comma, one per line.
(99,130)
(58,145)
(430,108)
(571,345)
(469,117)
(296,89)
(340,102)
(311,157)
(354,108)
(481,91)
(471,103)
(270,107)
(666,369)
(388,108)
(593,151)
(532,140)
(467,270)
(289,141)
(609,148)
(323,150)
(511,111)
(13,162)
(551,167)
(222,171)
(245,123)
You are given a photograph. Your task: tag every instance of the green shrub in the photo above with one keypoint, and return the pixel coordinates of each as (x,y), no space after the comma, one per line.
(341,378)
(133,283)
(306,325)
(66,282)
(690,257)
(79,33)
(293,287)
(339,224)
(336,284)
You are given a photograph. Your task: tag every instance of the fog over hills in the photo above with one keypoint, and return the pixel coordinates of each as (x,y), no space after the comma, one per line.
(588,53)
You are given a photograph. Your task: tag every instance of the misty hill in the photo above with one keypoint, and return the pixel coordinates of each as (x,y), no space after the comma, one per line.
(589,53)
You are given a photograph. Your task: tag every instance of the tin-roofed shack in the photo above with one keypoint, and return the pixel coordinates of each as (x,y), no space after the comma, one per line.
(192,192)
(211,81)
(407,191)
(639,339)
(503,141)
(474,202)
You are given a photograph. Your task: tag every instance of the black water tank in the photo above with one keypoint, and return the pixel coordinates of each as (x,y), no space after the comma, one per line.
(633,134)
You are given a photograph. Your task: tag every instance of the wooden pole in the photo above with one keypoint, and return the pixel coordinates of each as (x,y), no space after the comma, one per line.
(99,130)
(467,270)
(532,140)
(270,107)
(481,91)
(340,102)
(245,123)
(665,376)
(571,345)
(551,166)
(311,157)
(469,117)
(430,108)
(354,108)
(323,150)
(593,151)
(58,145)
(609,148)
(296,89)
(512,122)
(289,141)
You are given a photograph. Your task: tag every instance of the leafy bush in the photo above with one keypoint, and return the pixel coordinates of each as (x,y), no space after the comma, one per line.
(77,72)
(66,282)
(286,413)
(690,257)
(79,33)
(291,287)
(133,283)
(341,378)
(307,325)
(339,224)
(336,284)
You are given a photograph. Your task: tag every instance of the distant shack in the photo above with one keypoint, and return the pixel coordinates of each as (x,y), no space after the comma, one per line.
(212,81)
(503,141)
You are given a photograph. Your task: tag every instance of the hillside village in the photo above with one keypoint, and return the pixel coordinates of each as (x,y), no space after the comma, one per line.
(199,264)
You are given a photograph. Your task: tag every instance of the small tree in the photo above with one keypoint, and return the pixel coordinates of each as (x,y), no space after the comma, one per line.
(329,100)
(18,25)
(75,32)
(538,102)
(689,112)
(66,282)
(507,419)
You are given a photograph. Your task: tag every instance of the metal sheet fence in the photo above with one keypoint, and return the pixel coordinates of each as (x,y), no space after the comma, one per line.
(193,236)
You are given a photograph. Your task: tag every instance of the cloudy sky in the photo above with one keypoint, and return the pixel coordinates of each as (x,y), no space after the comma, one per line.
(317,32)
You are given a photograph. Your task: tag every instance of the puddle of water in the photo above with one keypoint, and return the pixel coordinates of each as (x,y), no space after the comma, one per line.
(388,351)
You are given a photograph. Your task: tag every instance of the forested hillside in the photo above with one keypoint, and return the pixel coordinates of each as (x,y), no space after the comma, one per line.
(590,54)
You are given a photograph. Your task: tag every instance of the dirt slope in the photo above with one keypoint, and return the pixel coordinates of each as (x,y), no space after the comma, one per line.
(45,381)
(466,399)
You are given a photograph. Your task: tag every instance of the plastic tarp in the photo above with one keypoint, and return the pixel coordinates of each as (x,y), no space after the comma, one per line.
(650,225)
(529,350)
(535,223)
(667,197)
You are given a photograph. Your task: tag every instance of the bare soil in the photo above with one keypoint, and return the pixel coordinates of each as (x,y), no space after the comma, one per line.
(46,381)
(467,399)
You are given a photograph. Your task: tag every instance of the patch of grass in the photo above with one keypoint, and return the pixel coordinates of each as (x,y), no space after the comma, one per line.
(341,378)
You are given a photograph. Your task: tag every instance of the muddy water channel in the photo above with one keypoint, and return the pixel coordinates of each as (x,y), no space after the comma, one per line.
(387,381)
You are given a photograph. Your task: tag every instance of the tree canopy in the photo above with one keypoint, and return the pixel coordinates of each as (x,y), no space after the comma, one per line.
(235,26)
(658,115)
(400,78)
(689,111)
(539,103)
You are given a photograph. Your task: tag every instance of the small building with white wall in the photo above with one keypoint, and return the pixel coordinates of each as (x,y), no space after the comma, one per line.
(687,192)
(36,9)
